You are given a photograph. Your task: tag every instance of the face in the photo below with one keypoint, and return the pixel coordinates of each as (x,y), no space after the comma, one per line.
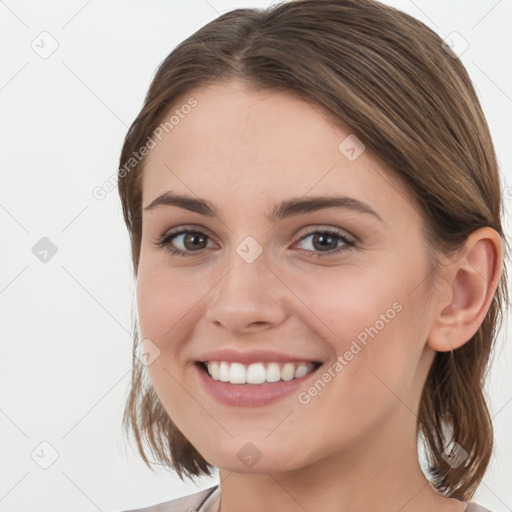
(337,284)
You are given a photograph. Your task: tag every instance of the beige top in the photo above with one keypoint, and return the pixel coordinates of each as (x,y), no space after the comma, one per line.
(209,501)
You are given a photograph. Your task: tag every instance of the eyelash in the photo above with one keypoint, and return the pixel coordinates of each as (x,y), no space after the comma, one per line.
(165,241)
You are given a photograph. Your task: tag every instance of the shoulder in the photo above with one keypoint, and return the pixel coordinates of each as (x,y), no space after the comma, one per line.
(183,504)
(475,507)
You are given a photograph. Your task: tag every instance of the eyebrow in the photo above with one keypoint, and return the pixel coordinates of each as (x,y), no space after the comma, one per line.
(288,208)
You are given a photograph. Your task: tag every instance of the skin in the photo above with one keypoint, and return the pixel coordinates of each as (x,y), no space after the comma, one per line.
(353,446)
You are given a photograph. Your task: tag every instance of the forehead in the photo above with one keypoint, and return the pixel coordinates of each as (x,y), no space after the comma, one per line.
(237,143)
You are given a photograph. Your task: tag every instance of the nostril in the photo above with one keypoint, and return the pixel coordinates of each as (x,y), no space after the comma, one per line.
(257,323)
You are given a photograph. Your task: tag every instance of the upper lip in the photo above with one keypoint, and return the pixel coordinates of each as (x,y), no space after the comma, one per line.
(250,356)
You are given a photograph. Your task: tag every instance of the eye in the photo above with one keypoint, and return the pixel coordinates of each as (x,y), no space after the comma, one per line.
(326,241)
(190,240)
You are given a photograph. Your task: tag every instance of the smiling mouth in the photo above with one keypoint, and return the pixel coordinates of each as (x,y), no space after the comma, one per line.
(258,372)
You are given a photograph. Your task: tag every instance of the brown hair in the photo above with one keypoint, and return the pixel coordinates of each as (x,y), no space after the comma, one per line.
(388,77)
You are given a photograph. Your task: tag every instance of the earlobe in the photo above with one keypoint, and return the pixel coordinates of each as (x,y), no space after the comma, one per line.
(469,287)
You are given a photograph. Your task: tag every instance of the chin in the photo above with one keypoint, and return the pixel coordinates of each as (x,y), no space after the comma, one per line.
(262,466)
(256,457)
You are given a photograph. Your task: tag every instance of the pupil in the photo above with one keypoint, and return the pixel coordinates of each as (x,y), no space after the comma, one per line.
(327,238)
(191,237)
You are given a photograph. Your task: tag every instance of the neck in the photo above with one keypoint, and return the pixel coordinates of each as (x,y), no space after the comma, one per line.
(381,476)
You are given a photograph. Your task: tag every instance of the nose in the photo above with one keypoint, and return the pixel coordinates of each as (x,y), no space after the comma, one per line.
(249,297)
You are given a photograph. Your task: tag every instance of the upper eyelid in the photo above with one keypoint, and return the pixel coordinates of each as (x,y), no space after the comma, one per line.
(206,231)
(341,232)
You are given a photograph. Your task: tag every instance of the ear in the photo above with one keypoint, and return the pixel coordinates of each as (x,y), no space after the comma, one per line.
(467,291)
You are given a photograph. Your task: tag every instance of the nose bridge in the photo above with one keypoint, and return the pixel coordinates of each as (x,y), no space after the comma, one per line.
(248,292)
(247,274)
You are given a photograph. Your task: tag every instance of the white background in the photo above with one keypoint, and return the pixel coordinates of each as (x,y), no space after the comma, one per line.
(65,327)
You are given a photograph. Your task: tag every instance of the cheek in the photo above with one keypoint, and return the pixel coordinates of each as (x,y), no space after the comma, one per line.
(165,300)
(350,304)
(370,324)
(165,308)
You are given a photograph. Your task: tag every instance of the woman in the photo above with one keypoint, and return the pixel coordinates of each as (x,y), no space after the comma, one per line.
(313,201)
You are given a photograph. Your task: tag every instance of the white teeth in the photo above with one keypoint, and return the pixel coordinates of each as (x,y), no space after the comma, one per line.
(301,370)
(257,373)
(273,373)
(223,374)
(237,374)
(288,371)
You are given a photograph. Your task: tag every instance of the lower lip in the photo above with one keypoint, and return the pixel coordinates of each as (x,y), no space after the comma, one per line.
(250,395)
